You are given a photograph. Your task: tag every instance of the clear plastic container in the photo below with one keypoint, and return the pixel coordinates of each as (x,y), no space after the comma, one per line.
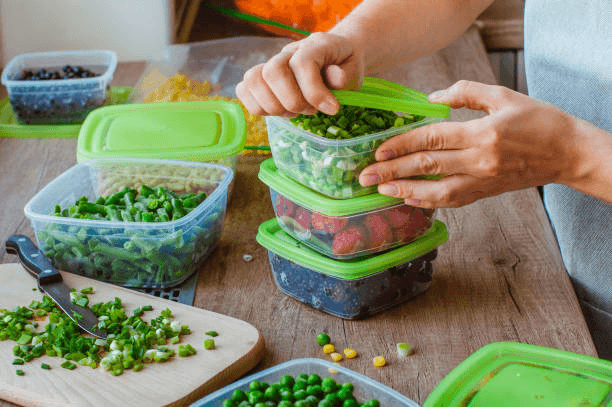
(364,388)
(58,100)
(351,289)
(131,254)
(328,166)
(343,229)
(512,374)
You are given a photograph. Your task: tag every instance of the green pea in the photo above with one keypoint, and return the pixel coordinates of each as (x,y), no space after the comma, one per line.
(254,385)
(300,394)
(345,394)
(286,403)
(350,403)
(272,393)
(229,403)
(314,379)
(314,390)
(323,339)
(239,395)
(300,385)
(287,381)
(255,396)
(286,394)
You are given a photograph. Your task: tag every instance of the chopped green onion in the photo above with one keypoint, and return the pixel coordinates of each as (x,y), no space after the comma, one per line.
(212,333)
(19,372)
(209,344)
(45,366)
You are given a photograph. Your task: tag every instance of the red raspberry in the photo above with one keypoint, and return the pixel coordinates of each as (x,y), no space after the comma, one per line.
(380,231)
(328,224)
(349,241)
(409,222)
(283,206)
(302,216)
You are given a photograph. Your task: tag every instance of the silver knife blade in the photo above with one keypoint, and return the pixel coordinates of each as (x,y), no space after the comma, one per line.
(51,282)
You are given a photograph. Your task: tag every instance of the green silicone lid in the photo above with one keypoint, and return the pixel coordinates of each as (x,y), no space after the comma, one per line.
(189,131)
(272,237)
(316,202)
(379,93)
(510,374)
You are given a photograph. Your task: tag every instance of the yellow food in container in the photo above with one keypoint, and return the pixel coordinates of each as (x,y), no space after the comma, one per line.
(180,87)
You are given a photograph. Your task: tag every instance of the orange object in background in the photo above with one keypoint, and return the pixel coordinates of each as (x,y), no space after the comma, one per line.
(309,15)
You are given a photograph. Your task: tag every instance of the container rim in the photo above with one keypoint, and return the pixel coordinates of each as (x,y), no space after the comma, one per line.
(110,66)
(352,141)
(221,188)
(300,362)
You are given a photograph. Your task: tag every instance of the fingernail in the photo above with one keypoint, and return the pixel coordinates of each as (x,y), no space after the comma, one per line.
(437,95)
(387,155)
(388,189)
(327,108)
(370,179)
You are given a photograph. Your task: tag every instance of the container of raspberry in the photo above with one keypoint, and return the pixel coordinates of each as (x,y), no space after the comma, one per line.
(351,289)
(343,228)
(58,87)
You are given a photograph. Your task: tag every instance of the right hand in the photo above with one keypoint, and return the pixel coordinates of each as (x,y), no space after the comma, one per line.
(297,79)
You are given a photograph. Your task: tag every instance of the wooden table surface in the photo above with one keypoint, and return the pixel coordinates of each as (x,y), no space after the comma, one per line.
(498,278)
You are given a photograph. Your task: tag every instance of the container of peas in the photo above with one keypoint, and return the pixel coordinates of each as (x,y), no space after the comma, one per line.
(135,222)
(306,382)
(327,153)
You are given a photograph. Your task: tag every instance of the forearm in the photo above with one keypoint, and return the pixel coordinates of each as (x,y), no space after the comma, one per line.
(592,172)
(396,31)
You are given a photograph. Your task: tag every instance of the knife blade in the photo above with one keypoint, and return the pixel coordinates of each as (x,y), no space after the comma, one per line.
(51,282)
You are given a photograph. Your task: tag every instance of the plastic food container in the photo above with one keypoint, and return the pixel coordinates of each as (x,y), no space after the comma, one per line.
(328,166)
(131,254)
(58,100)
(364,388)
(343,229)
(350,289)
(10,126)
(513,374)
(206,131)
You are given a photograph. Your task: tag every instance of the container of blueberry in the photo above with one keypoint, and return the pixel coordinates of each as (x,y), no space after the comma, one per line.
(343,228)
(356,288)
(306,382)
(58,87)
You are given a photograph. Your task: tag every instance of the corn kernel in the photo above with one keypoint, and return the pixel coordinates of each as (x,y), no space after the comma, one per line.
(350,353)
(329,348)
(332,371)
(336,357)
(379,361)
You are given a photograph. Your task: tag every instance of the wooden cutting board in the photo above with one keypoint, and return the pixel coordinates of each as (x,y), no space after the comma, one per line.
(178,382)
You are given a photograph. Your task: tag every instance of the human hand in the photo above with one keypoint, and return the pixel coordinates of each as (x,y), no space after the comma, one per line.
(297,80)
(521,143)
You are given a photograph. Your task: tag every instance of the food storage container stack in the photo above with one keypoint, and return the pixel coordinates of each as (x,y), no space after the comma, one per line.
(333,244)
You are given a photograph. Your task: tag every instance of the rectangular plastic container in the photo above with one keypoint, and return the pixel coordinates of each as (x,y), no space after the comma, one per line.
(364,388)
(510,374)
(328,166)
(58,100)
(350,289)
(343,229)
(131,254)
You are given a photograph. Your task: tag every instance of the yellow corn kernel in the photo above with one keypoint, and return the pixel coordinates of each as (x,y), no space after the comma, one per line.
(350,353)
(332,371)
(336,357)
(329,348)
(379,361)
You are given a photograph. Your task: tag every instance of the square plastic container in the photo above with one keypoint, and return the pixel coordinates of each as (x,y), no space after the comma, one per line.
(343,229)
(58,100)
(350,289)
(364,388)
(206,131)
(131,254)
(510,374)
(328,166)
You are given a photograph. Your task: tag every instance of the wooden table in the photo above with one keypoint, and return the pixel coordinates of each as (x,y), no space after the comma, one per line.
(498,278)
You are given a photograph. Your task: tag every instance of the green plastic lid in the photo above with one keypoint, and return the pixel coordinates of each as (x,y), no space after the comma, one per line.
(316,202)
(11,127)
(510,374)
(189,131)
(272,237)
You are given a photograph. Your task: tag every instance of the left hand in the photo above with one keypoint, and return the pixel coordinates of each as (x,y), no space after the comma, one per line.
(521,143)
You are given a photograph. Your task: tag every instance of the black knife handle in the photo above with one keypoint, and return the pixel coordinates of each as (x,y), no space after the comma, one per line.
(33,259)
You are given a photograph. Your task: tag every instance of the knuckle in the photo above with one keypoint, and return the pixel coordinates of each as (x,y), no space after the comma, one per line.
(447,196)
(405,190)
(427,164)
(252,74)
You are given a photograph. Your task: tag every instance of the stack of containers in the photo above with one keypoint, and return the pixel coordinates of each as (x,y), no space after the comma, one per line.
(333,244)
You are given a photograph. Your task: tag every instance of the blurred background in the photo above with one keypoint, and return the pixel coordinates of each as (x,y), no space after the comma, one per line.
(142,29)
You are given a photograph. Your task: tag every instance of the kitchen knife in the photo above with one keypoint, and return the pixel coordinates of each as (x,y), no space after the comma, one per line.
(50,281)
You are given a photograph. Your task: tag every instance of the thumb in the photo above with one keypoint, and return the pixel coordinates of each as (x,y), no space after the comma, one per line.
(347,75)
(473,95)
